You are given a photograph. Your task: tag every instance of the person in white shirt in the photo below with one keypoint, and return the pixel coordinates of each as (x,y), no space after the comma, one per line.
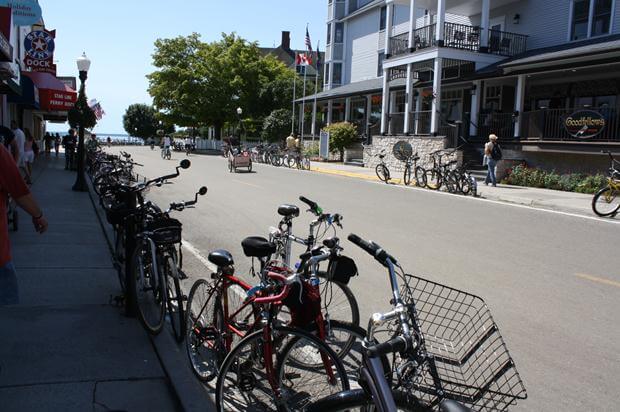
(166,142)
(20,138)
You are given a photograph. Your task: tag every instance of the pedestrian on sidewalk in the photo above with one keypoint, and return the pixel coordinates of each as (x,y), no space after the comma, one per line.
(8,140)
(20,138)
(492,155)
(29,155)
(69,142)
(11,183)
(57,141)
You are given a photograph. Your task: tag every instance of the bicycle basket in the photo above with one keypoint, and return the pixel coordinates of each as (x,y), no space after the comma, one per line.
(116,212)
(470,356)
(305,307)
(341,269)
(164,231)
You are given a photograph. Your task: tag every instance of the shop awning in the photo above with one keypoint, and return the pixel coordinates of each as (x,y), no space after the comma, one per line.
(54,95)
(29,97)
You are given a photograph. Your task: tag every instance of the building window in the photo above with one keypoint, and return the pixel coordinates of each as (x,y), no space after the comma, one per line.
(339,33)
(383,18)
(380,64)
(337,74)
(326,75)
(329,33)
(590,18)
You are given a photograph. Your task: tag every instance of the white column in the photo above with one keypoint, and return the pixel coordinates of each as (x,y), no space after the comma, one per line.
(347,109)
(484,23)
(418,108)
(412,10)
(388,26)
(441,19)
(475,108)
(519,103)
(385,102)
(408,93)
(330,106)
(436,96)
(368,111)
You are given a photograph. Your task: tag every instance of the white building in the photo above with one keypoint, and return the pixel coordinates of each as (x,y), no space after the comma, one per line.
(517,68)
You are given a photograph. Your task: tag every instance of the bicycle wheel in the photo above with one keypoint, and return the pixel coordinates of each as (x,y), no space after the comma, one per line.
(606,202)
(338,301)
(433,179)
(451,182)
(291,162)
(382,172)
(420,176)
(119,256)
(204,341)
(175,299)
(305,163)
(359,400)
(276,160)
(407,175)
(150,290)
(247,379)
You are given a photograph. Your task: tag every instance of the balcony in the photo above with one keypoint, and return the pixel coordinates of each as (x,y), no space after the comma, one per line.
(462,37)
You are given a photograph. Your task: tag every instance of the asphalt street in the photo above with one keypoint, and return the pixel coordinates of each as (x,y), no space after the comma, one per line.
(552,281)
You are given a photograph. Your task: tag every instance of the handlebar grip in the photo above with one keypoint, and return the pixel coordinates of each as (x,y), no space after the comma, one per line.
(370,248)
(397,344)
(309,202)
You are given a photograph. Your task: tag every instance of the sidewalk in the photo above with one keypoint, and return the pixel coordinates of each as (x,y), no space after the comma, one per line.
(65,347)
(540,198)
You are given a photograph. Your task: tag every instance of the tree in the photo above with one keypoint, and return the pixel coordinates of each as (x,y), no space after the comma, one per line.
(277,125)
(140,120)
(81,113)
(341,135)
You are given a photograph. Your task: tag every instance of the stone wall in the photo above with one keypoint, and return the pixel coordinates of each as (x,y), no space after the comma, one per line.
(423,145)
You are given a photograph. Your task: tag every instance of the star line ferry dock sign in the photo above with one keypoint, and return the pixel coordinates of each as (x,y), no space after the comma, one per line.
(39,47)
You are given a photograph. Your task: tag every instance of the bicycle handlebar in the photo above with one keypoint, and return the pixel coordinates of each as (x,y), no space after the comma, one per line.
(314,207)
(285,290)
(397,344)
(373,249)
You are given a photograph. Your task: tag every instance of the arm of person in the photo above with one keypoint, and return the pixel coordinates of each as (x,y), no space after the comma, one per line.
(30,205)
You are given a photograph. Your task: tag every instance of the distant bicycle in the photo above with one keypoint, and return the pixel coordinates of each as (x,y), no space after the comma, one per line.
(606,202)
(412,168)
(166,153)
(382,171)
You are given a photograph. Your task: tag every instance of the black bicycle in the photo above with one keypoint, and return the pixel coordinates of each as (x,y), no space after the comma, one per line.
(382,171)
(412,168)
(447,353)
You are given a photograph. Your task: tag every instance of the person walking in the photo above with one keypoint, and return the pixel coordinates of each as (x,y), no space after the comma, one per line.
(7,138)
(20,139)
(69,142)
(11,183)
(29,155)
(57,141)
(492,155)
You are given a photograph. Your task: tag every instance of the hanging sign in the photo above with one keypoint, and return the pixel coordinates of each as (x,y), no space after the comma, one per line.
(25,12)
(585,124)
(39,47)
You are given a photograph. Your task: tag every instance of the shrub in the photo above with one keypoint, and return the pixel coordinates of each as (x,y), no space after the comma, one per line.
(312,149)
(341,135)
(522,175)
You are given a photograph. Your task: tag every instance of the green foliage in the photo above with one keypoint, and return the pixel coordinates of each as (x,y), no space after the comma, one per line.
(341,135)
(312,149)
(202,84)
(277,125)
(140,120)
(522,175)
(81,113)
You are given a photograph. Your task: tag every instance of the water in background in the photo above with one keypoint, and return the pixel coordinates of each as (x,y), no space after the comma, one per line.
(119,138)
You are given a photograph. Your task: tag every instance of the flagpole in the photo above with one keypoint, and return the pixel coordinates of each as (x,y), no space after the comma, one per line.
(303,104)
(316,90)
(294,96)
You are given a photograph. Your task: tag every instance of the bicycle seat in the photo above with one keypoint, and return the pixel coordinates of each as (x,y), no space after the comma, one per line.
(256,246)
(331,242)
(221,258)
(288,210)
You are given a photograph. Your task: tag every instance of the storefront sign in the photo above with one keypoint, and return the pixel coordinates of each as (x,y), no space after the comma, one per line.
(25,12)
(68,81)
(56,100)
(39,47)
(585,124)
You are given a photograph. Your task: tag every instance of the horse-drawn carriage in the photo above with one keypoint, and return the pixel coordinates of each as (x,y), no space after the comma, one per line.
(237,157)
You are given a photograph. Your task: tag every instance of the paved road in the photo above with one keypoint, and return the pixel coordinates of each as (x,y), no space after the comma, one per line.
(552,281)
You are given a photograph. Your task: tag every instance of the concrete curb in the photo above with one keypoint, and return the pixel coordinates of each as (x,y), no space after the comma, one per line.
(352,174)
(189,392)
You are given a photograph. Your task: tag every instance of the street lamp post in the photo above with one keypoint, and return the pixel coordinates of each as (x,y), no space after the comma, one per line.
(239,113)
(83,64)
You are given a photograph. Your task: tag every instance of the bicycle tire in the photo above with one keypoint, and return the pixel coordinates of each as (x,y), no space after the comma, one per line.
(450,182)
(119,256)
(420,176)
(382,172)
(433,179)
(291,162)
(407,175)
(178,321)
(337,308)
(150,291)
(609,196)
(306,163)
(204,324)
(358,399)
(248,375)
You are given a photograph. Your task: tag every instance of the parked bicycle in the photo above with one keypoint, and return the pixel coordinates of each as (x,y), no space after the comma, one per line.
(606,202)
(166,153)
(446,350)
(382,171)
(412,168)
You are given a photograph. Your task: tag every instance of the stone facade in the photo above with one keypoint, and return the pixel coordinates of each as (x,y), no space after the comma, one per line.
(423,145)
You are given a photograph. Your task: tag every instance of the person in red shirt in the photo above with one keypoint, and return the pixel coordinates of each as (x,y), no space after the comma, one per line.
(11,183)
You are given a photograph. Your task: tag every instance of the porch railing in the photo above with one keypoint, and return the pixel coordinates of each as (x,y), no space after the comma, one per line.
(460,36)
(500,124)
(548,124)
(399,44)
(508,44)
(420,122)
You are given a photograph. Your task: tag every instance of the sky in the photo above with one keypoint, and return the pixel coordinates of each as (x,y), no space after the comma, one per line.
(118,37)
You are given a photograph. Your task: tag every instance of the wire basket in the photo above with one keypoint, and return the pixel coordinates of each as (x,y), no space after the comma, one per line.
(466,349)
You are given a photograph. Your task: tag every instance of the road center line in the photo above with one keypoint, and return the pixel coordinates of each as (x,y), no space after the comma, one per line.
(598,280)
(245,183)
(192,249)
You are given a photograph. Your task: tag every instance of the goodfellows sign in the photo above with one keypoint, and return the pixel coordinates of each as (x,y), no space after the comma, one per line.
(585,124)
(25,12)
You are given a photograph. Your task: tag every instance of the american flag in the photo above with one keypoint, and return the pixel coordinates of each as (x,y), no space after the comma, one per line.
(95,106)
(308,42)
